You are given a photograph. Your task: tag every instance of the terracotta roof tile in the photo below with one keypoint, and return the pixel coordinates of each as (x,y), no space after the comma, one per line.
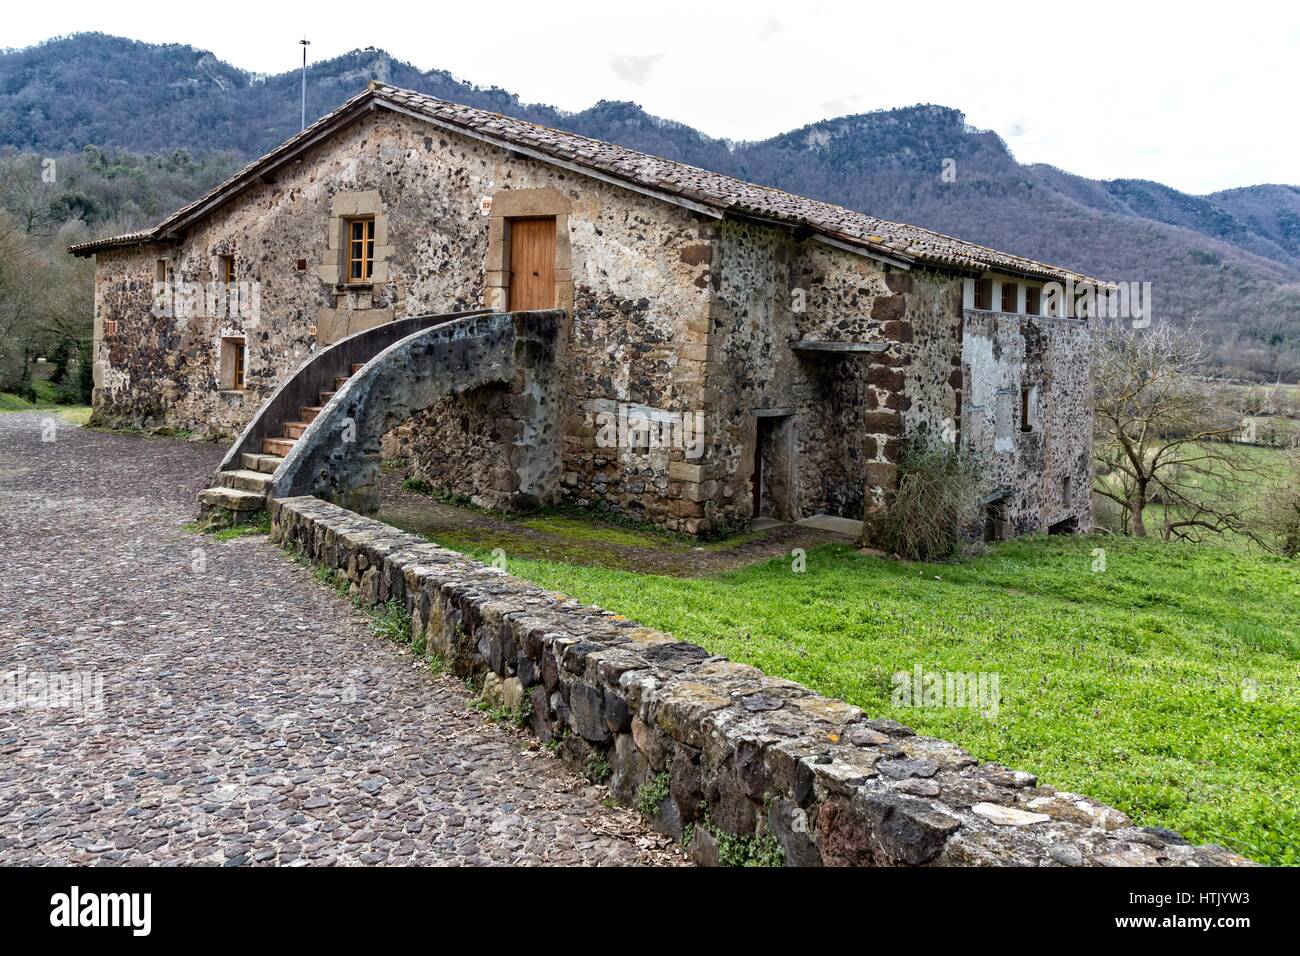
(715,192)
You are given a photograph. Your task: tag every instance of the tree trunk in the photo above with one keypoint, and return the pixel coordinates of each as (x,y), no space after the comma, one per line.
(1137,505)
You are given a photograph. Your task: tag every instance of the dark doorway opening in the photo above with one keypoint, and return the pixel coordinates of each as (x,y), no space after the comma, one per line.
(995,519)
(763,437)
(771,481)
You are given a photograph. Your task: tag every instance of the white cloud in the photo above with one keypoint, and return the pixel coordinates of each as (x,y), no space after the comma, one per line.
(634,68)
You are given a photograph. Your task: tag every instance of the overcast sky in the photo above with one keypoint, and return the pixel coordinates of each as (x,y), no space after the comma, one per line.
(1201,96)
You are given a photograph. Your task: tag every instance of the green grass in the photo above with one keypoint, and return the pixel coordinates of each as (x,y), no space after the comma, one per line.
(572,536)
(219,524)
(584,529)
(1125,684)
(1269,467)
(46,394)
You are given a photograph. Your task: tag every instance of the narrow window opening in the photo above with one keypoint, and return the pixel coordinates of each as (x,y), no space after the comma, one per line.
(1033,300)
(1026,409)
(1009,290)
(233,355)
(984,294)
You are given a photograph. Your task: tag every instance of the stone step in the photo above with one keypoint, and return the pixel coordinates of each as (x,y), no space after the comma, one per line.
(294,429)
(357,367)
(277,446)
(232,499)
(263,463)
(325,397)
(308,413)
(244,479)
(338,381)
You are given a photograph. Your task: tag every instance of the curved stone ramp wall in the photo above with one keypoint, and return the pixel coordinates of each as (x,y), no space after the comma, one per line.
(317,373)
(713,747)
(337,457)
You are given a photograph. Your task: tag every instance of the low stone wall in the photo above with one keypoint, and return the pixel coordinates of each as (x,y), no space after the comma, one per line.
(737,763)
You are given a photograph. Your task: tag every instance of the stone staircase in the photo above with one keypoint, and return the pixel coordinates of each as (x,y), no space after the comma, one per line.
(242,491)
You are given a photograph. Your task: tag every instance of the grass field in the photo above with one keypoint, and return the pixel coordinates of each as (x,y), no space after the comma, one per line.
(45,393)
(1167,684)
(1269,467)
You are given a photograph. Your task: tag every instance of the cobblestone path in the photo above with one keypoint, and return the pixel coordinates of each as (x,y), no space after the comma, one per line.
(249,715)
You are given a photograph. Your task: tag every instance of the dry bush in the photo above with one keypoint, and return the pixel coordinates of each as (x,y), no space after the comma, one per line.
(924,515)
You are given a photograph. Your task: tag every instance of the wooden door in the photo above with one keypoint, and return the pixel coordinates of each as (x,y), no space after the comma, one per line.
(532,264)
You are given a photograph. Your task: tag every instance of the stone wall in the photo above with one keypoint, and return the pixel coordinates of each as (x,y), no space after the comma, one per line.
(847,410)
(1002,354)
(716,751)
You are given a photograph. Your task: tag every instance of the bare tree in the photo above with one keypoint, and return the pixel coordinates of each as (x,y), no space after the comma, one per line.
(1164,446)
(20,292)
(1282,510)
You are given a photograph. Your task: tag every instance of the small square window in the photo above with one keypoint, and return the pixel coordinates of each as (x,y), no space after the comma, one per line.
(233,354)
(984,294)
(110,327)
(1009,296)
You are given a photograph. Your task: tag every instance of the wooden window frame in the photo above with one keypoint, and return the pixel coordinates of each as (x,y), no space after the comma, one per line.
(984,295)
(228,271)
(237,381)
(359,251)
(1012,289)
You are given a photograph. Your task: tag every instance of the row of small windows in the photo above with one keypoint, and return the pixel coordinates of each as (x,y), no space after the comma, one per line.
(1008,301)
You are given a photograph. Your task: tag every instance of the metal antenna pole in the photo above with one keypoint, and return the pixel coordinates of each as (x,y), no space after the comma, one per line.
(305,43)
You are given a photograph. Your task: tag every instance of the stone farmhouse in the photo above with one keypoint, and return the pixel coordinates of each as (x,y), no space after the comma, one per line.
(531,316)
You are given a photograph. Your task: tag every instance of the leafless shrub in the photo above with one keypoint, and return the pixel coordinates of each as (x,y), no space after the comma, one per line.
(924,515)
